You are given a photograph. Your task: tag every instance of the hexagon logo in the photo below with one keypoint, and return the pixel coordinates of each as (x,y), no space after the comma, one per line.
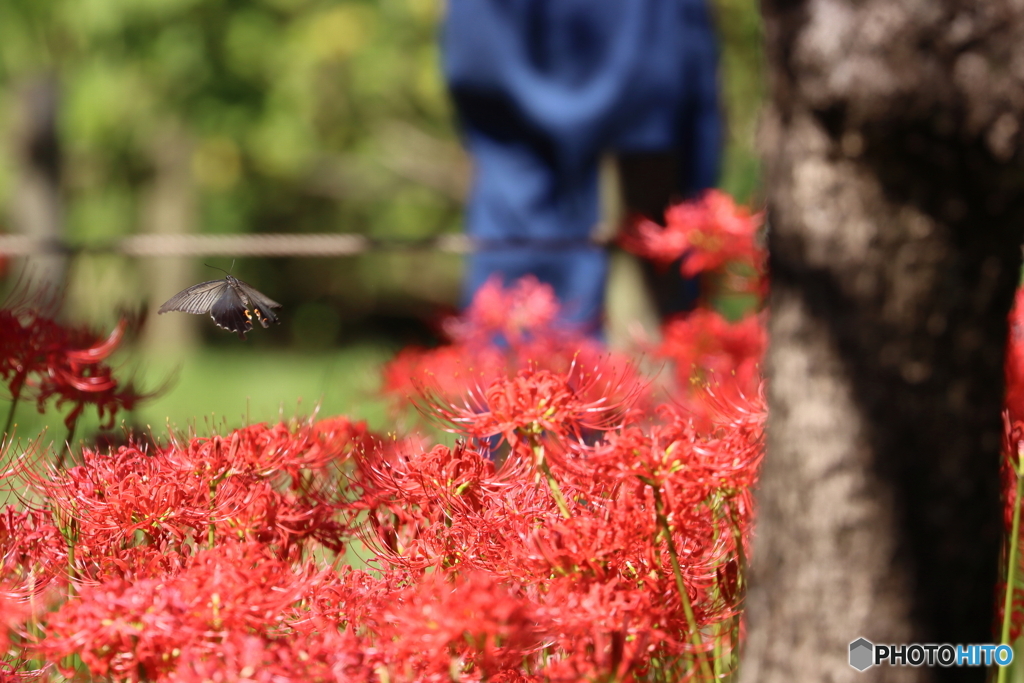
(862,654)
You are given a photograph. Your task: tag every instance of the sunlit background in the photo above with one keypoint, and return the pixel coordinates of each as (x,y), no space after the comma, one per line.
(256,116)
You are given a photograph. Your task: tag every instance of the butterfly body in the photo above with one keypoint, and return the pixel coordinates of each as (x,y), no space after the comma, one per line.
(230,302)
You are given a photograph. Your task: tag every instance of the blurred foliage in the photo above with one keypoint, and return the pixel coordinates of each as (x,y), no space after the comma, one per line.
(289,107)
(742,77)
(292,116)
(297,116)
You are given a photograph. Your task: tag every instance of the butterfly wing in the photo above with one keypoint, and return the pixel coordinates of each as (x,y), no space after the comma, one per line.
(260,304)
(230,302)
(231,313)
(197,298)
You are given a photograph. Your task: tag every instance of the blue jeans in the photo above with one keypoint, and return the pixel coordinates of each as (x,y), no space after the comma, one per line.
(542,89)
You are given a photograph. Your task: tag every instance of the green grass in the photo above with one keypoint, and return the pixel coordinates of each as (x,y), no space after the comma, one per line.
(214,390)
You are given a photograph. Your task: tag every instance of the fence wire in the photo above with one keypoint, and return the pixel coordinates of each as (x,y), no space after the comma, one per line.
(309,245)
(265,244)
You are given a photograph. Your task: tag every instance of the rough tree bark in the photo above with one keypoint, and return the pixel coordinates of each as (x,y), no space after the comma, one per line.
(896,201)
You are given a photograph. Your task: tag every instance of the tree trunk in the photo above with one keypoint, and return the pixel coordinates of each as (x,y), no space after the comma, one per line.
(896,204)
(169,208)
(37,204)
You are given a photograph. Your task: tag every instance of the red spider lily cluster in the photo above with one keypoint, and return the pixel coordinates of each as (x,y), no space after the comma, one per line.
(584,522)
(712,235)
(1013,463)
(719,242)
(704,345)
(618,554)
(41,359)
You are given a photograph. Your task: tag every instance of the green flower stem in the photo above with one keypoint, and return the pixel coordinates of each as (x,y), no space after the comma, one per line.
(556,491)
(718,655)
(684,595)
(72,572)
(1011,570)
(211,528)
(542,464)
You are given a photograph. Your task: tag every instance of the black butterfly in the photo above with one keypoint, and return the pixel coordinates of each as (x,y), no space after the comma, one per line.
(230,302)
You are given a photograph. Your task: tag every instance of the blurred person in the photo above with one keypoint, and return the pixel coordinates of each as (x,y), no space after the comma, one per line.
(544,88)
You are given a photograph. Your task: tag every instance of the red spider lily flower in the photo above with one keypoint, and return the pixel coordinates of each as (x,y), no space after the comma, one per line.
(603,374)
(77,376)
(61,362)
(706,233)
(535,402)
(265,451)
(608,631)
(701,482)
(111,498)
(448,370)
(453,478)
(686,461)
(263,483)
(13,671)
(15,608)
(325,657)
(443,508)
(33,552)
(352,600)
(475,626)
(1013,441)
(526,307)
(132,631)
(523,317)
(598,544)
(446,508)
(703,344)
(1012,449)
(100,350)
(516,676)
(1013,444)
(604,548)
(1014,368)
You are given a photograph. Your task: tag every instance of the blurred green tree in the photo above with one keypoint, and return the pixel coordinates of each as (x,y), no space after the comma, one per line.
(278,115)
(229,116)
